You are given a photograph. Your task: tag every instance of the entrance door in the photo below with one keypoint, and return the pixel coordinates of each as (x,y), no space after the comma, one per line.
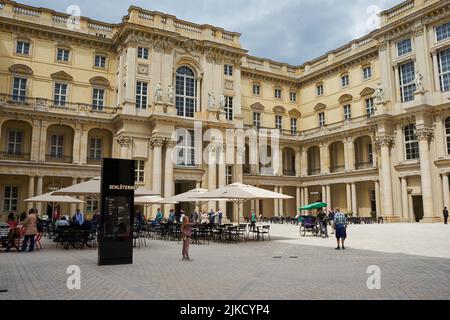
(418,207)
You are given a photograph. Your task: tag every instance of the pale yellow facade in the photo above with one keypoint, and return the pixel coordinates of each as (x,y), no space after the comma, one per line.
(352,130)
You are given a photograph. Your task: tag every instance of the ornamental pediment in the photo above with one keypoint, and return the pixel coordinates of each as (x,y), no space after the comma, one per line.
(62,75)
(367,92)
(294,113)
(345,98)
(320,107)
(279,109)
(257,107)
(99,81)
(21,68)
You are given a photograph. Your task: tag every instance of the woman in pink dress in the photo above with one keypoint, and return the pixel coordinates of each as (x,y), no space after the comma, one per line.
(186,231)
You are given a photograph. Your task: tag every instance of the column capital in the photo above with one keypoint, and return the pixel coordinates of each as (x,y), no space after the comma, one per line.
(170,144)
(385,140)
(425,134)
(124,141)
(157,142)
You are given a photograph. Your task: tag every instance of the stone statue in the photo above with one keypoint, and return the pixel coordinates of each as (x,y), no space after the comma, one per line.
(418,80)
(158,92)
(222,102)
(211,101)
(378,95)
(171,93)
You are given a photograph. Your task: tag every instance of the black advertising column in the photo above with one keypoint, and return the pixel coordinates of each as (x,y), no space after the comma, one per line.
(117,205)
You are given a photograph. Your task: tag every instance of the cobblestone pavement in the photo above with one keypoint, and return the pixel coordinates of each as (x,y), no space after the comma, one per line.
(280,269)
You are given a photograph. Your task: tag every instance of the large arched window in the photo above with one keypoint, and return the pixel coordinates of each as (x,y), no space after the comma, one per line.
(447,134)
(186,92)
(411,143)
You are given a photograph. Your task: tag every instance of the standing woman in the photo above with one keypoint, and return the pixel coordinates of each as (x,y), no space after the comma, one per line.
(186,231)
(30,225)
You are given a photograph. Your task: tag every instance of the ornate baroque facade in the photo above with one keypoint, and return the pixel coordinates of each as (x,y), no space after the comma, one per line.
(365,127)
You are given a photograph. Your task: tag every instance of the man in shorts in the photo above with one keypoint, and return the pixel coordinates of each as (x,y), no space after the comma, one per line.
(340,227)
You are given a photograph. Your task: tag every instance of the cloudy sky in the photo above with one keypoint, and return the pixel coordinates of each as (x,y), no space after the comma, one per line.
(292,31)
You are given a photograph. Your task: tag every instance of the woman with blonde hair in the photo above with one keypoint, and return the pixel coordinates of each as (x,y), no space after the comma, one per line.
(186,231)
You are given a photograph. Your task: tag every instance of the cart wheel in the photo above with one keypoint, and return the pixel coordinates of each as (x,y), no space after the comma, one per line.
(323,233)
(315,231)
(302,231)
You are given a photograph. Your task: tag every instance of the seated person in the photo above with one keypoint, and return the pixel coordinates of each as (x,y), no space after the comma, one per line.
(171,216)
(61,223)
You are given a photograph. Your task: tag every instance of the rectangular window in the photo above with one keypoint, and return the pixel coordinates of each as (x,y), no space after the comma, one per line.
(256,89)
(345,81)
(141,95)
(143,53)
(95,149)
(411,143)
(293,125)
(443,32)
(15,141)
(293,97)
(367,73)
(11,198)
(19,89)
(229,108)
(60,96)
(370,151)
(91,204)
(139,171)
(229,175)
(404,47)
(322,119)
(56,146)
(347,112)
(278,122)
(319,89)
(277,93)
(257,119)
(370,108)
(100,61)
(98,99)
(444,69)
(63,55)
(228,70)
(407,85)
(23,47)
(185,148)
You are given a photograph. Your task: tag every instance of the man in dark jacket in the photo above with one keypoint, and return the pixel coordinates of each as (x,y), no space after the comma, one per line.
(445,212)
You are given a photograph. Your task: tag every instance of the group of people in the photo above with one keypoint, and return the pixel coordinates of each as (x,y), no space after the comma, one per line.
(78,220)
(30,225)
(213,217)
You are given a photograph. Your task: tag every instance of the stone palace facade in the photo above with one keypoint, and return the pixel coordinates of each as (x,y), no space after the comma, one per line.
(365,127)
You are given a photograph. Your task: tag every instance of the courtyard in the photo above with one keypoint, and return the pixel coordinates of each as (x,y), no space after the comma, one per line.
(413,259)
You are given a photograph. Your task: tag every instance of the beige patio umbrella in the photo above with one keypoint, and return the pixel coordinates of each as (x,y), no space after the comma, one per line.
(150,200)
(92,188)
(53,200)
(240,193)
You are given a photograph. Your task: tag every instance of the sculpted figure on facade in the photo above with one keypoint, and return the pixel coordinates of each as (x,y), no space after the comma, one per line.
(158,92)
(418,80)
(171,93)
(211,101)
(222,102)
(378,95)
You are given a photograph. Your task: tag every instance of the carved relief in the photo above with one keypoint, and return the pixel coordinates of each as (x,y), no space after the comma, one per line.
(124,141)
(385,140)
(157,142)
(425,134)
(143,69)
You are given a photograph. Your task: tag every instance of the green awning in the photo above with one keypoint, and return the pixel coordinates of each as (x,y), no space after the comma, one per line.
(317,205)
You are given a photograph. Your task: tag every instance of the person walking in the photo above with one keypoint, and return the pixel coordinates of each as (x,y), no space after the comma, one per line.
(78,218)
(186,231)
(30,225)
(331,219)
(322,216)
(253,220)
(340,226)
(220,216)
(212,216)
(194,216)
(445,212)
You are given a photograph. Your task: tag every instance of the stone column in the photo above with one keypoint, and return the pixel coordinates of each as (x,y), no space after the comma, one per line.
(424,136)
(168,174)
(30,192)
(440,137)
(446,190)
(43,142)
(304,164)
(298,160)
(35,141)
(76,144)
(377,198)
(73,206)
(350,154)
(124,143)
(349,197)
(405,209)
(84,143)
(212,173)
(329,197)
(157,143)
(374,154)
(354,202)
(306,195)
(275,205)
(324,158)
(298,199)
(385,142)
(222,177)
(257,209)
(39,187)
(280,203)
(412,216)
(302,196)
(324,193)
